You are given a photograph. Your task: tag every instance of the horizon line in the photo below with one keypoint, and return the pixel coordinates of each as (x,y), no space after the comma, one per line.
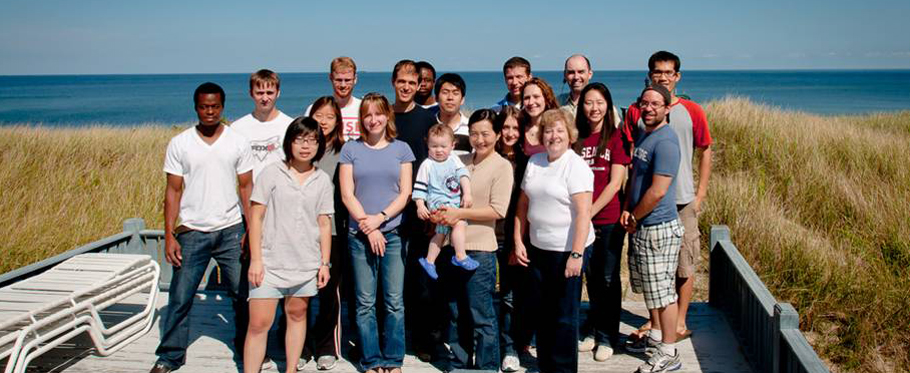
(475,71)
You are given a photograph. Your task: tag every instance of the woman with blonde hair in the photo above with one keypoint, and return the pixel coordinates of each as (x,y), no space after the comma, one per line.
(375,178)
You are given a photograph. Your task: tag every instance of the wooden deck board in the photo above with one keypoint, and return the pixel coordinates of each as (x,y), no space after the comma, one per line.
(712,348)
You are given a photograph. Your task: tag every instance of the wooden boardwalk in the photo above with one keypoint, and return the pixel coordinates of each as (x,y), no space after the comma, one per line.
(712,348)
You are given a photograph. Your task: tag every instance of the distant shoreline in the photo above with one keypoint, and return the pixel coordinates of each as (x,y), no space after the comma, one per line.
(770,70)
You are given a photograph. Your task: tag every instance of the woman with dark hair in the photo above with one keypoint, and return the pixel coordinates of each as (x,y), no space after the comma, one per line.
(600,145)
(375,177)
(491,188)
(514,335)
(536,97)
(290,241)
(323,340)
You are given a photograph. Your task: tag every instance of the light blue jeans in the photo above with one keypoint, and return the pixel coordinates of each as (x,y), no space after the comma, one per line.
(369,271)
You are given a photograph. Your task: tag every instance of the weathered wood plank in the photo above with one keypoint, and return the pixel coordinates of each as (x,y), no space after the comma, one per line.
(712,348)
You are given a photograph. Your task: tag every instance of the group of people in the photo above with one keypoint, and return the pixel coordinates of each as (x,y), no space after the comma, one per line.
(410,204)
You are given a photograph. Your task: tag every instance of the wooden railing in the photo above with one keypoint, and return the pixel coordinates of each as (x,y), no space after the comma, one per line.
(767,330)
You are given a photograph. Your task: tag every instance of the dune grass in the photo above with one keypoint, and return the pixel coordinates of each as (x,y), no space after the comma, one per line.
(65,187)
(819,206)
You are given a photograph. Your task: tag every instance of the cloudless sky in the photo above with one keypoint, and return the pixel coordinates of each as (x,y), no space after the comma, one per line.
(189,36)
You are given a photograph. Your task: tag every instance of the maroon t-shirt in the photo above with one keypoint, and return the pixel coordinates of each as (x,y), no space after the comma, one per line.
(613,154)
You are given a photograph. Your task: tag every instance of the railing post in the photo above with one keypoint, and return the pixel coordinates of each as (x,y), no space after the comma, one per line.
(785,317)
(716,270)
(133,226)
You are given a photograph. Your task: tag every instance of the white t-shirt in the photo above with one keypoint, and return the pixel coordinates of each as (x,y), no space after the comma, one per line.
(210,201)
(266,138)
(350,118)
(549,187)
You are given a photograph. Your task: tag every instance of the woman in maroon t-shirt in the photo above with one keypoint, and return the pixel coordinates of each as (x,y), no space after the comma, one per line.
(600,144)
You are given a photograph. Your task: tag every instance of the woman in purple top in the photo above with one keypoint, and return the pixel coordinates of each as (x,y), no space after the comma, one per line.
(375,177)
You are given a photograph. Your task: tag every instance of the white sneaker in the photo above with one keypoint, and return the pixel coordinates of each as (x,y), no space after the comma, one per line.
(661,362)
(268,364)
(586,345)
(603,352)
(326,362)
(301,363)
(510,364)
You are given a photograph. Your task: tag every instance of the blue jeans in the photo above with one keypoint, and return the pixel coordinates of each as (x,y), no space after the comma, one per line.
(371,273)
(197,248)
(602,263)
(472,292)
(557,319)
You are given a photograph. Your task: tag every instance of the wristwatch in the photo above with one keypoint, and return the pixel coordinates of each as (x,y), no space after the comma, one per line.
(385,217)
(326,264)
(575,255)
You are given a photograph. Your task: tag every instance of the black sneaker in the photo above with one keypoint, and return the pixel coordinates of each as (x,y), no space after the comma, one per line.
(642,345)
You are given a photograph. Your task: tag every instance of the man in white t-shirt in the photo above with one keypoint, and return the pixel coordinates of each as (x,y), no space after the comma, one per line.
(450,90)
(264,128)
(343,75)
(206,165)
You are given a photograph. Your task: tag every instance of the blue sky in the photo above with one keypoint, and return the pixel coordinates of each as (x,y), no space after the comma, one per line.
(125,37)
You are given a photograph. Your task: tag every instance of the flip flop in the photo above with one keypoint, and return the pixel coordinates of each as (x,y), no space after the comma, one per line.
(637,334)
(684,335)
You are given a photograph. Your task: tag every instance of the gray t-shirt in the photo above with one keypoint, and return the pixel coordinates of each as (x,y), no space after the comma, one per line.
(656,153)
(291,253)
(376,176)
(329,163)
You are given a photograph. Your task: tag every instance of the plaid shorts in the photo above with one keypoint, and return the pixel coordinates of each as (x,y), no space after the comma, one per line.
(653,257)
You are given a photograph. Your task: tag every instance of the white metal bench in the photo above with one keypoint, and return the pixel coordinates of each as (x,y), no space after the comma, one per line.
(40,313)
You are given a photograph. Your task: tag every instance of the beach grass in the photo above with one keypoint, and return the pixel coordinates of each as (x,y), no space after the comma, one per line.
(817,205)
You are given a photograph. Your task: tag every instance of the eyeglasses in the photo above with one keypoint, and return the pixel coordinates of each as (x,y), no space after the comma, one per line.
(306,141)
(653,104)
(656,73)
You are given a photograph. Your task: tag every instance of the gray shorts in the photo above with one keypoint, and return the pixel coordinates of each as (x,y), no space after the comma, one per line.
(653,257)
(306,289)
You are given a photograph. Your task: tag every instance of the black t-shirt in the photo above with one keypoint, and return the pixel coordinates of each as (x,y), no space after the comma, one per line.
(412,128)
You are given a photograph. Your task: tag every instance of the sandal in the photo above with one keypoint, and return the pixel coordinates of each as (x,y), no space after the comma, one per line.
(684,335)
(641,332)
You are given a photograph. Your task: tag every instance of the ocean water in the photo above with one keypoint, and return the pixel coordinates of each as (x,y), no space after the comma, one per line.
(77,100)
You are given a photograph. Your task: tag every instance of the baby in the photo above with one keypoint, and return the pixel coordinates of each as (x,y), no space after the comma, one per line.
(442,180)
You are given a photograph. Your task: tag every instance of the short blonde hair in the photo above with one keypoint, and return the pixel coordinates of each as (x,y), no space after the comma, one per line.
(264,77)
(383,104)
(553,116)
(342,63)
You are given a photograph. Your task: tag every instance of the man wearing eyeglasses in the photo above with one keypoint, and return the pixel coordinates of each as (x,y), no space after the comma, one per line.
(688,120)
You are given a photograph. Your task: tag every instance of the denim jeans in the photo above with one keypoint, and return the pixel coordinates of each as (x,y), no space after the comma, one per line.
(557,331)
(476,332)
(602,264)
(197,248)
(506,296)
(372,273)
